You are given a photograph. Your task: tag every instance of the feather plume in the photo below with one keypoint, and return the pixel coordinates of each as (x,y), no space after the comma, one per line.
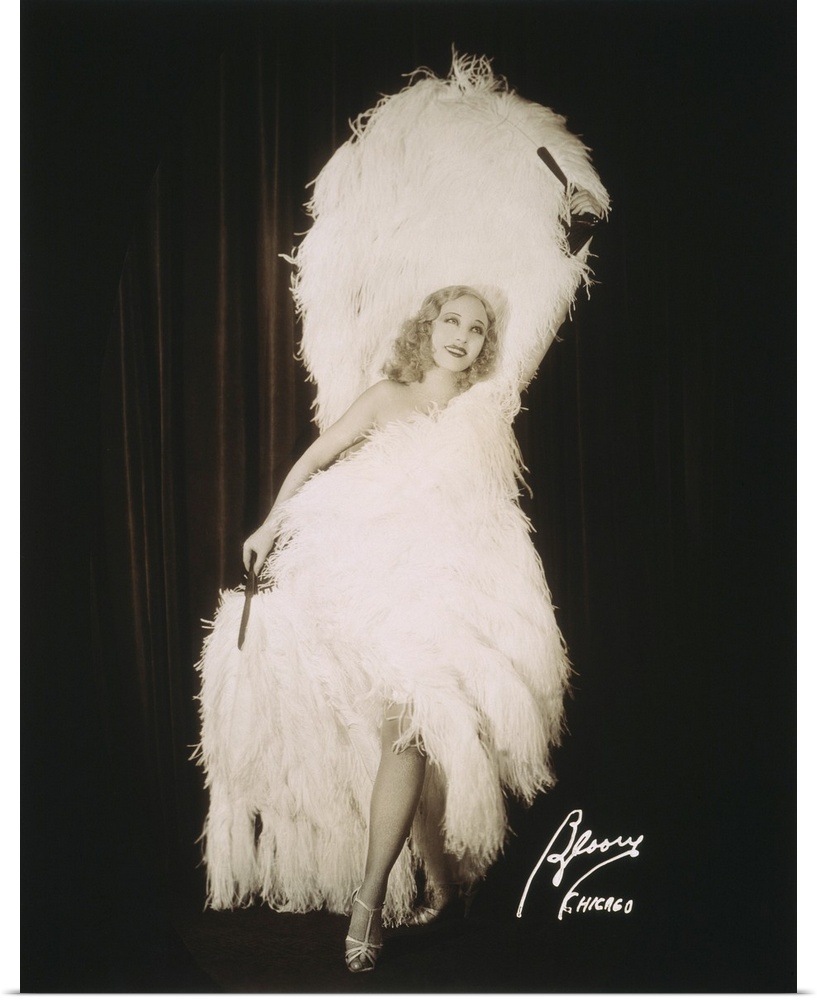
(439,184)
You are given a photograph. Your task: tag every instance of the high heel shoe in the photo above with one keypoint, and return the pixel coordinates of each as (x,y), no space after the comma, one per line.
(364,953)
(457,902)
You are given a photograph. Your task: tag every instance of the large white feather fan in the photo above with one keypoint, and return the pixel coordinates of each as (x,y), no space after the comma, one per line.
(439,184)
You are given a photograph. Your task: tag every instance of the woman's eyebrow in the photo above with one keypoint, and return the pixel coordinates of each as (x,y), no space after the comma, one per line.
(453,312)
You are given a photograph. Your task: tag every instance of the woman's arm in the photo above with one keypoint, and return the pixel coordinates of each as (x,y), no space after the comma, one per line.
(361,417)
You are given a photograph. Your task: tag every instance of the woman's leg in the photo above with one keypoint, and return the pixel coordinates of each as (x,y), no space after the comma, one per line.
(448,878)
(396,792)
(438,865)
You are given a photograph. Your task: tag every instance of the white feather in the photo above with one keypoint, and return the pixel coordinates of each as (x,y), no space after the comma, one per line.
(405,574)
(439,184)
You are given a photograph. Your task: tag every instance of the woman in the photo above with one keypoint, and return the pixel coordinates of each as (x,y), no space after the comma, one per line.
(450,343)
(402,670)
(405,603)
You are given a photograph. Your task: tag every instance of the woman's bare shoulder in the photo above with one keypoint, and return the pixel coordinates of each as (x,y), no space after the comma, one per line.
(387,389)
(387,393)
(390,400)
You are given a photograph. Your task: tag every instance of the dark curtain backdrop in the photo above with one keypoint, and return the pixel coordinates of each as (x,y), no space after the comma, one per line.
(169,148)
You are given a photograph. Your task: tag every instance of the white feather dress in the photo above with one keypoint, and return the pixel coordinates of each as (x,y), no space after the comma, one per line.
(405,572)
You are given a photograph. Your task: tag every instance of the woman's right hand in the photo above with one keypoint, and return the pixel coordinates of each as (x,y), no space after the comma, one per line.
(258,546)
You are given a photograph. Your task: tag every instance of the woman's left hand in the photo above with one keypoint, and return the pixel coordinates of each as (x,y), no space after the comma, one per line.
(583,203)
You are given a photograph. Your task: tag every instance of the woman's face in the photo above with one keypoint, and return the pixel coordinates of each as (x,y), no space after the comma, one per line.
(458,333)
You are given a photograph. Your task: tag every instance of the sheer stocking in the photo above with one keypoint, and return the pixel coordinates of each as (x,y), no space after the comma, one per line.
(396,793)
(439,866)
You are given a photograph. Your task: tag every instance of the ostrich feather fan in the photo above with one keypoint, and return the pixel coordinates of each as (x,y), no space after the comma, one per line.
(439,184)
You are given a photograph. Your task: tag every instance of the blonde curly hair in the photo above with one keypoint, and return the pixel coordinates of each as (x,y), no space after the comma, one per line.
(411,353)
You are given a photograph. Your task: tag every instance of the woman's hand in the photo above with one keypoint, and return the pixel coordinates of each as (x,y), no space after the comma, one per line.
(258,546)
(583,203)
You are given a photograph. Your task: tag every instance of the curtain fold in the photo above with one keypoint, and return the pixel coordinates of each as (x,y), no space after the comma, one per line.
(202,408)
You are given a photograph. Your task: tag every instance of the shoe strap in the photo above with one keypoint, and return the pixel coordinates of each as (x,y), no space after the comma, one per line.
(362,952)
(371,910)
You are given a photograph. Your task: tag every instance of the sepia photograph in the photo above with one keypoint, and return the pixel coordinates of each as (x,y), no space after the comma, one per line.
(409,410)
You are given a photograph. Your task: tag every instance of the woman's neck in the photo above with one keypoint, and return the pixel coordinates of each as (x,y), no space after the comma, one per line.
(439,386)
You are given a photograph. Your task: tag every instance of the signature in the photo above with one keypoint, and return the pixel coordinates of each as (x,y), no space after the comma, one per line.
(577,844)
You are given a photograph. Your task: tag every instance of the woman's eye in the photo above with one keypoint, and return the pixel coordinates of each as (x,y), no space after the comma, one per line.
(450,319)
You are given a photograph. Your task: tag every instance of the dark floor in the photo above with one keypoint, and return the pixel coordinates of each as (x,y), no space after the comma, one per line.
(256,950)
